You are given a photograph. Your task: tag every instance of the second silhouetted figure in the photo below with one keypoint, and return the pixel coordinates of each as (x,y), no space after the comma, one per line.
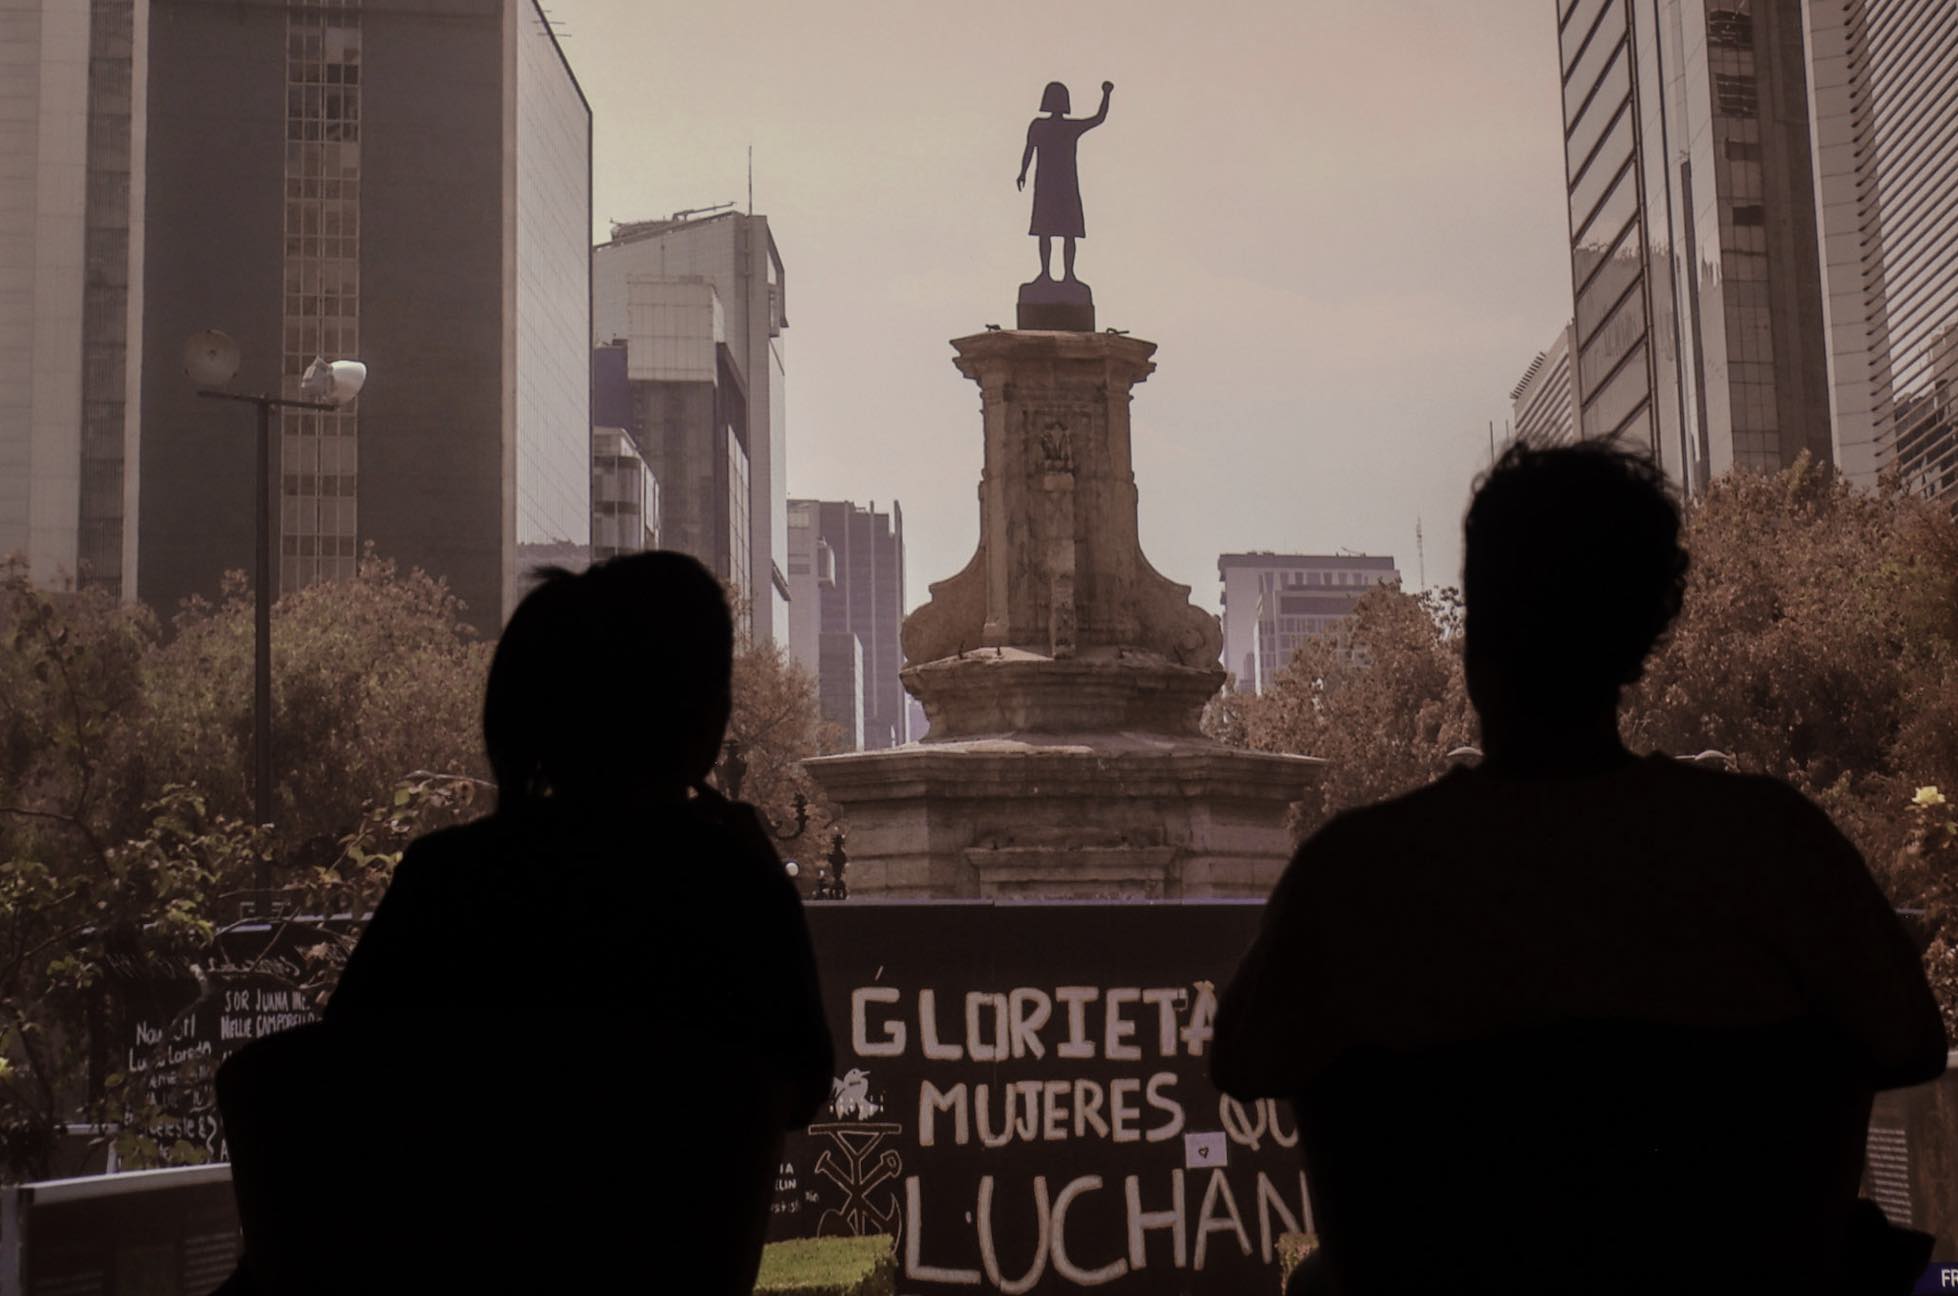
(1576,1020)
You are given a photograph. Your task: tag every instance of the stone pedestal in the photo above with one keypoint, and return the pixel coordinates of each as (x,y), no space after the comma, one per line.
(1048,303)
(1062,677)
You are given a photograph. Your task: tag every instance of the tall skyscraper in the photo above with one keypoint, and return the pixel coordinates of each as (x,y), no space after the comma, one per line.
(852,560)
(1274,602)
(1883,85)
(655,278)
(1543,400)
(422,203)
(72,110)
(1694,257)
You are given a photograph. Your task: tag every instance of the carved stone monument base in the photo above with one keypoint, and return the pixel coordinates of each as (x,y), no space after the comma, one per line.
(1082,816)
(1061,304)
(1063,677)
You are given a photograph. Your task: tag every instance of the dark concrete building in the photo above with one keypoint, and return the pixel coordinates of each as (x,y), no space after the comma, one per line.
(683,402)
(408,185)
(700,298)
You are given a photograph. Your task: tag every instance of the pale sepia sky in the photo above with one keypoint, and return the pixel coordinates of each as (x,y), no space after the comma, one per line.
(1342,222)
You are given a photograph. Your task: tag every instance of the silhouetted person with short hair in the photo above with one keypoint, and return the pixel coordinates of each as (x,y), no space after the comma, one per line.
(1576,1020)
(564,1054)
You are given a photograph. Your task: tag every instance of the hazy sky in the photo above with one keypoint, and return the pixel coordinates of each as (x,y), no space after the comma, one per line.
(1343,224)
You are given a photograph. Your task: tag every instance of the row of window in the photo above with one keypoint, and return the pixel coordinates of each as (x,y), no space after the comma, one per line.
(320,546)
(330,485)
(319,486)
(1281,580)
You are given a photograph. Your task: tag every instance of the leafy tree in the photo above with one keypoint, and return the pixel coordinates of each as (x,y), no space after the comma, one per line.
(373,678)
(776,724)
(1925,878)
(71,673)
(1383,702)
(145,914)
(1818,643)
(124,789)
(64,932)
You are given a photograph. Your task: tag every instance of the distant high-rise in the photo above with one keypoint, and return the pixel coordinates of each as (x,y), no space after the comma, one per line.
(812,570)
(681,286)
(1543,400)
(1695,266)
(72,116)
(408,184)
(624,497)
(852,560)
(1884,90)
(673,383)
(834,658)
(1274,602)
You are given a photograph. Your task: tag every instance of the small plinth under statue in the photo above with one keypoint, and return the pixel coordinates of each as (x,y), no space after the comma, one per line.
(1062,676)
(1065,303)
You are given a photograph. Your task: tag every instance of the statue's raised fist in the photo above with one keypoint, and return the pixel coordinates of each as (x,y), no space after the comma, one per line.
(1106,86)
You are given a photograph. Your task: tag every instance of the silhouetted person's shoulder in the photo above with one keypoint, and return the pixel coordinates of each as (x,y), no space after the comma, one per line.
(593,923)
(1653,892)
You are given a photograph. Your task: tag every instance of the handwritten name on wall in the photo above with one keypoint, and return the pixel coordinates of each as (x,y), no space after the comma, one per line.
(181,1031)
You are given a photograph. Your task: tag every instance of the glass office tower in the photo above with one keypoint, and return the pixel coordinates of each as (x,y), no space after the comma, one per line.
(1694,261)
(1884,90)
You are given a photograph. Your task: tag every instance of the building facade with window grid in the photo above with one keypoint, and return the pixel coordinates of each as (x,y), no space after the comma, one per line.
(1543,401)
(1274,602)
(406,184)
(734,255)
(846,581)
(672,384)
(1884,95)
(1698,330)
(624,497)
(72,111)
(319,461)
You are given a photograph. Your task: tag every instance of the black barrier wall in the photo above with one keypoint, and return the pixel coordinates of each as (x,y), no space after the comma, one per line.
(1022,1101)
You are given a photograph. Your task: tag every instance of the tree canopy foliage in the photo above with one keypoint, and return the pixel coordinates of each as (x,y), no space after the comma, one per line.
(776,724)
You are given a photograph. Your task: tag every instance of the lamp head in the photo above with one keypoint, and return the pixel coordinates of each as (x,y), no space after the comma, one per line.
(335,381)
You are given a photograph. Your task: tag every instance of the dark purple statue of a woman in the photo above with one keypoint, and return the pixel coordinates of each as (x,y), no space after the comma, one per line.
(1057,211)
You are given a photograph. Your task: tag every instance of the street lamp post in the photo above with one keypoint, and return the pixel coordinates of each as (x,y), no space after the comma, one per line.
(212,358)
(262,601)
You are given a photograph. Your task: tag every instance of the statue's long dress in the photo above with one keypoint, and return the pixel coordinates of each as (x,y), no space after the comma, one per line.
(1056,183)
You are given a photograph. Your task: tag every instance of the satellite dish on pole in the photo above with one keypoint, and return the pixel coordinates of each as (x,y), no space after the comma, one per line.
(211,358)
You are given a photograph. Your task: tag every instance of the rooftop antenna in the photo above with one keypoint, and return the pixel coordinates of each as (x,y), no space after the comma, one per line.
(751,179)
(1420,553)
(1492,443)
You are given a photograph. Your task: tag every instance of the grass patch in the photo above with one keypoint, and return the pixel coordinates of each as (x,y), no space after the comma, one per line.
(842,1266)
(1293,1248)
